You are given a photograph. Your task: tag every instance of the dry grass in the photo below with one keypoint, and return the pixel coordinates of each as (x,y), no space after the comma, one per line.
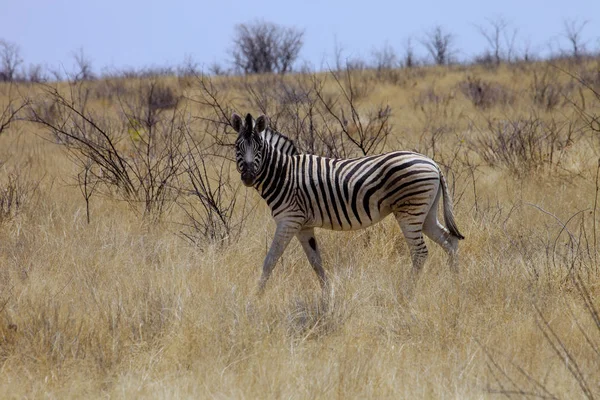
(124,308)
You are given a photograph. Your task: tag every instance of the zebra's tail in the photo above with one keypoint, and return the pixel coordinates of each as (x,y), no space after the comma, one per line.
(448,214)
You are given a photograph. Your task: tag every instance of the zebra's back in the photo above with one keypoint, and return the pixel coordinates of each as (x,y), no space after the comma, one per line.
(348,194)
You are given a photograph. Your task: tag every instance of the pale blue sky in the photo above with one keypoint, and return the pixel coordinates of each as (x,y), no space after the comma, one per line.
(138,33)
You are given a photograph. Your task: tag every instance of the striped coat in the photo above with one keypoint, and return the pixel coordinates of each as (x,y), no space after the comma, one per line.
(306,191)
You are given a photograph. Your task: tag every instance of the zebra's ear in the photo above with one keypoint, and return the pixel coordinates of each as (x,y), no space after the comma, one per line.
(236,122)
(261,123)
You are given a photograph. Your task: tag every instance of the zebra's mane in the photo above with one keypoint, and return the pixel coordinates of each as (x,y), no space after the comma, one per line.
(279,141)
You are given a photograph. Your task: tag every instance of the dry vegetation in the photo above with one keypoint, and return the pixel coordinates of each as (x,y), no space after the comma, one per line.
(130,256)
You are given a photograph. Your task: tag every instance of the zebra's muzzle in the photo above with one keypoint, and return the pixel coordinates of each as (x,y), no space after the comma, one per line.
(247,179)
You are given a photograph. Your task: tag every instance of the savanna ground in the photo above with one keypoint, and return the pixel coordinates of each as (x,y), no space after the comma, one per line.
(159,301)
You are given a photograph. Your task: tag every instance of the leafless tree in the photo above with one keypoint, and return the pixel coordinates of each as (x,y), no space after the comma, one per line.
(36,74)
(385,58)
(57,73)
(440,45)
(500,38)
(217,69)
(10,60)
(83,66)
(10,110)
(265,47)
(572,29)
(408,60)
(189,67)
(338,50)
(527,53)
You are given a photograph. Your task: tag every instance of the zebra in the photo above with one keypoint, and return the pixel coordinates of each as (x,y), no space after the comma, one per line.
(306,191)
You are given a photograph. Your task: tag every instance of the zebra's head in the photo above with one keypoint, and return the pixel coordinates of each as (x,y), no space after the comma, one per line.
(248,146)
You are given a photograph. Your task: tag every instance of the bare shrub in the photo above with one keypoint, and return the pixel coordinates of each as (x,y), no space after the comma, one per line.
(83,66)
(436,111)
(572,30)
(209,198)
(590,77)
(264,47)
(321,121)
(156,97)
(409,59)
(217,69)
(513,379)
(432,102)
(188,68)
(524,145)
(10,61)
(440,45)
(485,94)
(365,132)
(387,66)
(110,90)
(570,253)
(588,81)
(10,110)
(36,74)
(545,89)
(17,190)
(500,39)
(384,58)
(135,156)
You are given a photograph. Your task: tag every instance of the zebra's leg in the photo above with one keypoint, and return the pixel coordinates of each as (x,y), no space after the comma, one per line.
(412,228)
(283,235)
(309,244)
(440,235)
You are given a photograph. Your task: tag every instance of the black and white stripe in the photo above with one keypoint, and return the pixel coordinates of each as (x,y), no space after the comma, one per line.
(306,191)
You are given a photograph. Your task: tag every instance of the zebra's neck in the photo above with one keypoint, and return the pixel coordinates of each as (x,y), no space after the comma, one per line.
(274,176)
(279,142)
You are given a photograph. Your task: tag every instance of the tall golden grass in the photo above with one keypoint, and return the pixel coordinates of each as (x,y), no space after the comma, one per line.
(123,307)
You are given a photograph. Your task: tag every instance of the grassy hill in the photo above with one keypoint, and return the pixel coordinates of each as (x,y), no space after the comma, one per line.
(155,295)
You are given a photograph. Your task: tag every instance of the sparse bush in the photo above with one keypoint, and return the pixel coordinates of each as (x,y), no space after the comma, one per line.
(486,59)
(265,47)
(440,46)
(136,157)
(36,74)
(485,94)
(333,124)
(432,102)
(387,65)
(83,66)
(513,378)
(188,68)
(384,58)
(10,61)
(501,41)
(524,145)
(409,60)
(366,132)
(572,30)
(17,190)
(590,77)
(210,198)
(110,89)
(545,90)
(217,69)
(10,110)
